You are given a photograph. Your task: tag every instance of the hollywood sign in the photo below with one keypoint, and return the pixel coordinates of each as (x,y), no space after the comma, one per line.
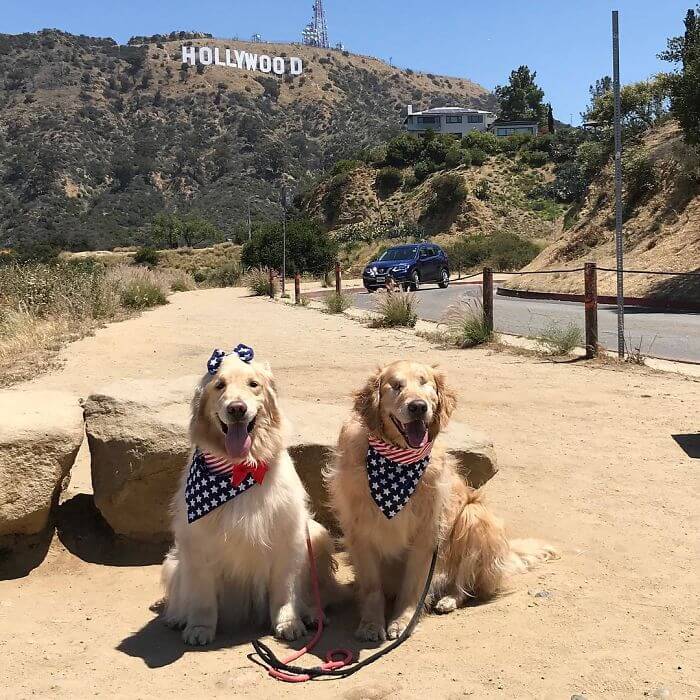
(243,60)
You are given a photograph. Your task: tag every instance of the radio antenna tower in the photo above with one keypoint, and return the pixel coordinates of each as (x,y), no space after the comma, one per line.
(316,31)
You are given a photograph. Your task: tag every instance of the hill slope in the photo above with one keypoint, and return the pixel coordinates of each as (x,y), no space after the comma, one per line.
(96,138)
(662,231)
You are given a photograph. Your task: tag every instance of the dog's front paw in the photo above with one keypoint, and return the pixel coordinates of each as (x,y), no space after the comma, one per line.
(290,630)
(397,627)
(369,631)
(446,605)
(198,635)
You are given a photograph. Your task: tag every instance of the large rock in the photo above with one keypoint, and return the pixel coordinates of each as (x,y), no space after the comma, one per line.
(137,433)
(315,428)
(40,435)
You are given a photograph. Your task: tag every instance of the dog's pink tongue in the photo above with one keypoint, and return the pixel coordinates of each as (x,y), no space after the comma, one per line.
(416,433)
(237,441)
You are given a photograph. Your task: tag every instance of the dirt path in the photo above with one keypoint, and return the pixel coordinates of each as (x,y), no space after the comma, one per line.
(587,462)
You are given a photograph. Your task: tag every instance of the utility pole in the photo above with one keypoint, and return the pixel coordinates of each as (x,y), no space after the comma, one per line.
(618,187)
(284,237)
(250,223)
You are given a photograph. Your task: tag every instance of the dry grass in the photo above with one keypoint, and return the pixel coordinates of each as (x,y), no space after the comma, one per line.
(257,279)
(337,303)
(44,306)
(560,340)
(396,309)
(466,326)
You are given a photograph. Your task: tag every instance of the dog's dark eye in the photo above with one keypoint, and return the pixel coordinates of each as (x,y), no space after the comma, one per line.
(253,384)
(396,386)
(220,384)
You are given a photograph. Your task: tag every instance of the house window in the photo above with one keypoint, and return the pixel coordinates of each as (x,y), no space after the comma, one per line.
(453,120)
(476,119)
(427,120)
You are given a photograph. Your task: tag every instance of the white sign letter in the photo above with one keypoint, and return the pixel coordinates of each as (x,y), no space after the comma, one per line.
(188,55)
(265,64)
(278,65)
(205,56)
(251,61)
(228,59)
(217,60)
(295,66)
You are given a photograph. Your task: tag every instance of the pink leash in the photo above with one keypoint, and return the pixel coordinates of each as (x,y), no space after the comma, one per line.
(331,663)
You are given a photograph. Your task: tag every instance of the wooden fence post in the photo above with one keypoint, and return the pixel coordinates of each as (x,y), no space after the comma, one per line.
(590,284)
(271,274)
(338,278)
(487,297)
(297,288)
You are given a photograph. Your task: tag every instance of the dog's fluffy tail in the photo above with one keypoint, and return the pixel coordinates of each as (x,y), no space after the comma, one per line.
(527,554)
(480,556)
(477,549)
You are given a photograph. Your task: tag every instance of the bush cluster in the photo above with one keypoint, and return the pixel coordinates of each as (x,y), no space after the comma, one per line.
(503,251)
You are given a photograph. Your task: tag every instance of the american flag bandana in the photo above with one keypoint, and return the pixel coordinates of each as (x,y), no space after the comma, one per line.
(393,473)
(213,481)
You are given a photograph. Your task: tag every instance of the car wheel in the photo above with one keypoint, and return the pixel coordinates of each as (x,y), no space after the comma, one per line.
(415,281)
(370,290)
(444,282)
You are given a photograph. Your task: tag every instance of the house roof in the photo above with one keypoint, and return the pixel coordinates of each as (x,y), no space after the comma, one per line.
(450,110)
(516,122)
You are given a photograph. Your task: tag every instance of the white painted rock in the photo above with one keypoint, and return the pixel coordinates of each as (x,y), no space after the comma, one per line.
(40,435)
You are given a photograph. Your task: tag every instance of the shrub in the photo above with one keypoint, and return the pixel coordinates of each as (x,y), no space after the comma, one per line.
(337,303)
(449,190)
(346,166)
(482,141)
(478,157)
(514,142)
(181,281)
(143,292)
(257,280)
(454,157)
(228,274)
(502,250)
(466,158)
(404,149)
(333,197)
(466,326)
(396,309)
(309,249)
(423,169)
(560,340)
(535,159)
(147,255)
(482,190)
(639,177)
(388,180)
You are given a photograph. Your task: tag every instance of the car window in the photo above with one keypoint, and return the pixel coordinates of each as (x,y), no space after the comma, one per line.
(404,252)
(425,252)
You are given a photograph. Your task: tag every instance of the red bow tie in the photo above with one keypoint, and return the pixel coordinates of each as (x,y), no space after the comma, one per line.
(239,472)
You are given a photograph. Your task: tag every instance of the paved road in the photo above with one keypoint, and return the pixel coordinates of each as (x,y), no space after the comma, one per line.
(673,336)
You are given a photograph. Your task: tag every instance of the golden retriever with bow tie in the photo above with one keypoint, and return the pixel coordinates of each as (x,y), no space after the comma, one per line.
(407,405)
(240,515)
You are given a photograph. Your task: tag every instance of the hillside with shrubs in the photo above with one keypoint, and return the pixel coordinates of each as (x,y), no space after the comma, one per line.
(99,141)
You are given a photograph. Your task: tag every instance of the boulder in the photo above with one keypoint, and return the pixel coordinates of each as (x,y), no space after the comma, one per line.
(137,432)
(40,435)
(315,429)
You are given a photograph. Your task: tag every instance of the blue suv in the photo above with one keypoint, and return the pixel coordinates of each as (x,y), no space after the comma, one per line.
(409,266)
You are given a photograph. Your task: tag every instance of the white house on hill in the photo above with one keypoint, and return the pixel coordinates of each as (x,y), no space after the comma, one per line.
(448,120)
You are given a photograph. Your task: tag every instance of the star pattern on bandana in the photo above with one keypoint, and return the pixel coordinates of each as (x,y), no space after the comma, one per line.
(393,475)
(205,490)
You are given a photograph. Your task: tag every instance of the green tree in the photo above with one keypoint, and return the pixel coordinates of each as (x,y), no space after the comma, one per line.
(308,248)
(550,119)
(684,86)
(522,98)
(642,104)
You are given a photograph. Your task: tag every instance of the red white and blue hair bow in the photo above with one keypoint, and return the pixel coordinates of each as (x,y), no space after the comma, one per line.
(244,352)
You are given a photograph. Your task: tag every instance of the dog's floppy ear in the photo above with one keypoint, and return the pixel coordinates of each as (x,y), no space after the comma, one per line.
(270,393)
(367,402)
(447,401)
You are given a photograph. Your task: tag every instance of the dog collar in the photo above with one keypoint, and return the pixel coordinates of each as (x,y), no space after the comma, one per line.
(213,481)
(393,473)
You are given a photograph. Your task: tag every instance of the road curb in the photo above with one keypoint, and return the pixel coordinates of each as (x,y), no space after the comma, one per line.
(643,302)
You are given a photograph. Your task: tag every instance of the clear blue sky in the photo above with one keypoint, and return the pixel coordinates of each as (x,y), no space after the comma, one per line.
(566,42)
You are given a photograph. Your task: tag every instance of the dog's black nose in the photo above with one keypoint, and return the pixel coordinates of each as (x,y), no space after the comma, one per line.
(418,408)
(236,409)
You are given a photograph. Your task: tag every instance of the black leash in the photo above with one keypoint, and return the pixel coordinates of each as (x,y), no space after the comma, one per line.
(268,657)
